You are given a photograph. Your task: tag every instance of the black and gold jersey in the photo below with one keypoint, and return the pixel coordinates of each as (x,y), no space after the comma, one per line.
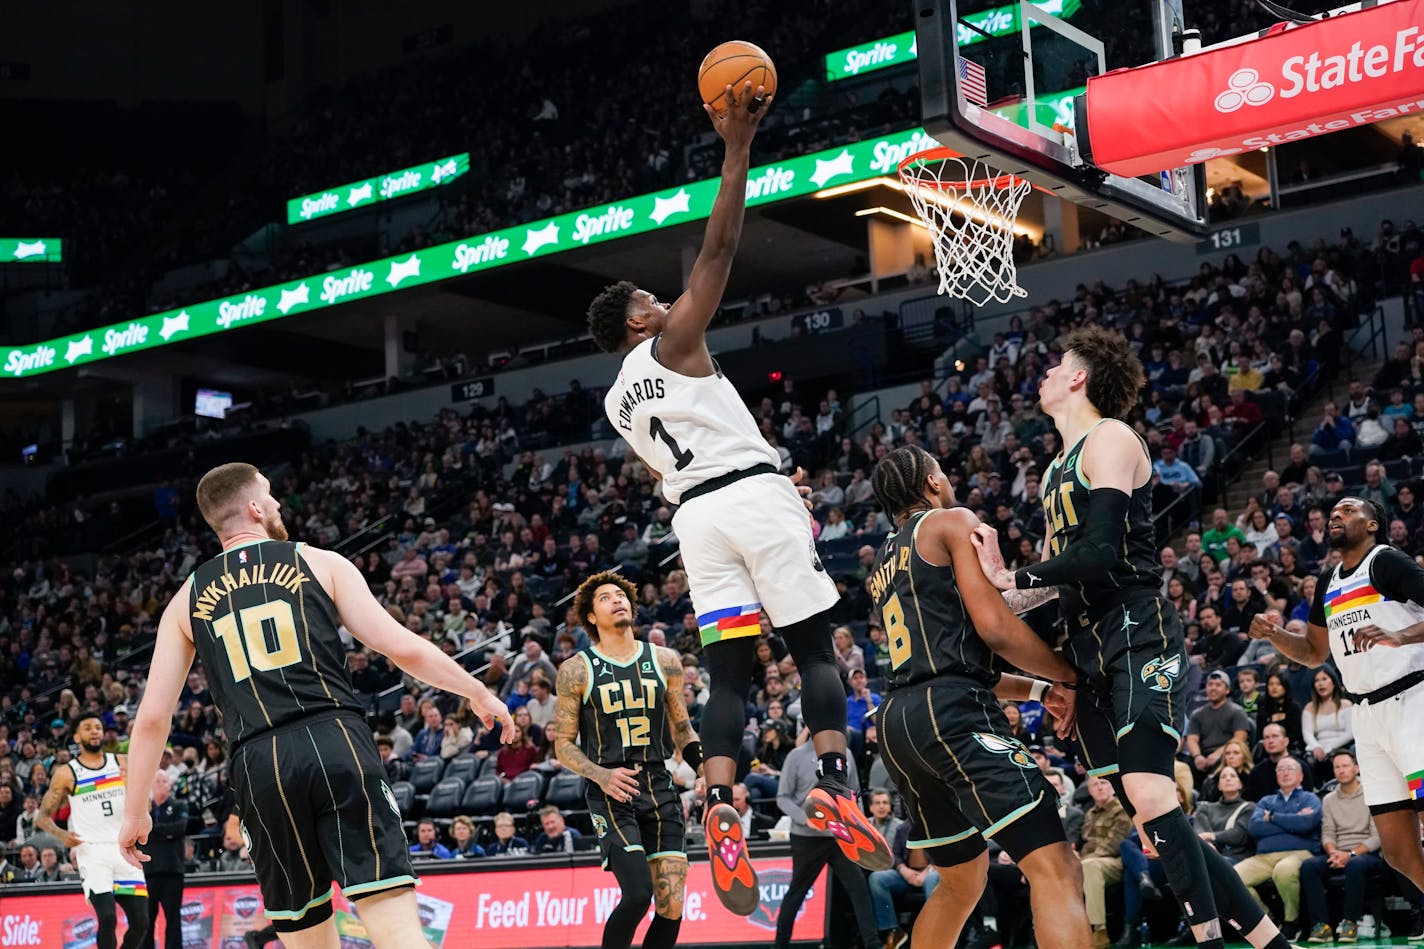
(624,712)
(266,632)
(926,621)
(1065,495)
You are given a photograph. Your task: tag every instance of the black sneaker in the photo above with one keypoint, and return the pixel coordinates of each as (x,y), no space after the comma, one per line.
(1147,887)
(1416,926)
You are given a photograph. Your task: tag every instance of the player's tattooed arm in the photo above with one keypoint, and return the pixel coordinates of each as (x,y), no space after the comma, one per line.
(1021,601)
(60,784)
(669,886)
(620,784)
(572,681)
(679,720)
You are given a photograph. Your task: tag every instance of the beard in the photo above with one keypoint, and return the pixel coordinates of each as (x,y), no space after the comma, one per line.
(1338,541)
(93,749)
(275,528)
(621,623)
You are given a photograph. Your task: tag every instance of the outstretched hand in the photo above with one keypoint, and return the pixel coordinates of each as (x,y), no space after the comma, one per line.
(986,544)
(490,711)
(737,126)
(135,831)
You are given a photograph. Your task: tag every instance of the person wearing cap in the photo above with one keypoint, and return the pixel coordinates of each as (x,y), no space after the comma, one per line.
(1217,722)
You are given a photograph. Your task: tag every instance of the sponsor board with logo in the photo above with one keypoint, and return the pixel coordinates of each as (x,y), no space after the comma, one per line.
(1346,71)
(488,904)
(792,178)
(31,250)
(394,184)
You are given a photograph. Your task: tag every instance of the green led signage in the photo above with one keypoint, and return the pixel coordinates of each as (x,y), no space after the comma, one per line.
(900,48)
(30,250)
(795,177)
(360,194)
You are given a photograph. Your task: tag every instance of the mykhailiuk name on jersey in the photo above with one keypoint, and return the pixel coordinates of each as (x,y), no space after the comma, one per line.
(283,575)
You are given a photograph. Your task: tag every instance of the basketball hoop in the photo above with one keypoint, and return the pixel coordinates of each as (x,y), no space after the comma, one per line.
(969,209)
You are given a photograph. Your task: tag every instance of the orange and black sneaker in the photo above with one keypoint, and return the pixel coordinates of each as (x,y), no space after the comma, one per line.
(832,807)
(732,875)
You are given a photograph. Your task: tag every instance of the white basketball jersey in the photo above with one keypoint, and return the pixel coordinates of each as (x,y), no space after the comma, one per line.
(96,805)
(1354,601)
(689,429)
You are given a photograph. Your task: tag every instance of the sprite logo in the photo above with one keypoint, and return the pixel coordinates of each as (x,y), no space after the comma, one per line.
(774,180)
(886,157)
(616,218)
(408,180)
(249,307)
(321,204)
(135,334)
(492,248)
(22,361)
(357,281)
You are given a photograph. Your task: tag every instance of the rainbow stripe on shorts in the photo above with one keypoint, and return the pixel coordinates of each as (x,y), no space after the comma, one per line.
(1416,784)
(130,888)
(733,622)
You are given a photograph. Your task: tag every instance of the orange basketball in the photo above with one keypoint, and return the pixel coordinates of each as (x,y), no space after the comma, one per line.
(734,63)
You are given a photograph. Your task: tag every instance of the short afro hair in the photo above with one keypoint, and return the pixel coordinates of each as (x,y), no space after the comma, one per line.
(608,316)
(583,596)
(1115,376)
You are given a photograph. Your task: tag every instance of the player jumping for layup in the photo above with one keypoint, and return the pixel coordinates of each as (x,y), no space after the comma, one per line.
(746,541)
(263,616)
(1124,638)
(1368,616)
(619,716)
(945,739)
(93,784)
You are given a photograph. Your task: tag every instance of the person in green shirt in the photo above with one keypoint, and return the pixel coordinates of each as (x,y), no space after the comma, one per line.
(1214,540)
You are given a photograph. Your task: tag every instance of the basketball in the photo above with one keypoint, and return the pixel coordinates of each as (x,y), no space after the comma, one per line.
(731,64)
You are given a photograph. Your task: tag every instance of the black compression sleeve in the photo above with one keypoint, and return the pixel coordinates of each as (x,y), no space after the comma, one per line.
(1105,524)
(1317,606)
(1395,574)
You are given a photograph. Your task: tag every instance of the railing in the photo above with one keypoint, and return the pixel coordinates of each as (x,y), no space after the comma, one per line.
(853,427)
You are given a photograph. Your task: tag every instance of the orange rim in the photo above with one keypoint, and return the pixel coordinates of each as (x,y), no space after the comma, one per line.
(944,154)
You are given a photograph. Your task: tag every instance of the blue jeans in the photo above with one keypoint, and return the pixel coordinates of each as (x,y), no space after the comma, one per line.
(1315,871)
(885,885)
(1134,864)
(761,787)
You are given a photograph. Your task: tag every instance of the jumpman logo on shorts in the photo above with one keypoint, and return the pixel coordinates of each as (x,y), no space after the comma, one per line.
(1128,622)
(1157,839)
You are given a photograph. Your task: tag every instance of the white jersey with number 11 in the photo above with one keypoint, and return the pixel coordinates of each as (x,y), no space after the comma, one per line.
(690,429)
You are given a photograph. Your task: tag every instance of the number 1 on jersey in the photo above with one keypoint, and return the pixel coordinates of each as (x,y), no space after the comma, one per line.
(657,430)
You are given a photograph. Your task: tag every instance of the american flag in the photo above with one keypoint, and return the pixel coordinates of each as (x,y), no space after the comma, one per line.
(971,80)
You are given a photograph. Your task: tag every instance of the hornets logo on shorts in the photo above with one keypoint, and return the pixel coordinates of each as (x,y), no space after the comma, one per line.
(1017,753)
(600,826)
(1161,673)
(390,798)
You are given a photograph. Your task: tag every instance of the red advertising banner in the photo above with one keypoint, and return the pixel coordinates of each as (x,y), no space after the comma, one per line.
(1295,83)
(556,906)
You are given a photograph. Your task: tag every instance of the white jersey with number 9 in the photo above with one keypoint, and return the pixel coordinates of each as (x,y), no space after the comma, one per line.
(690,429)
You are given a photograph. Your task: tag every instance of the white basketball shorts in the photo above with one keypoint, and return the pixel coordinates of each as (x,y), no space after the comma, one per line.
(747,547)
(1390,746)
(103,869)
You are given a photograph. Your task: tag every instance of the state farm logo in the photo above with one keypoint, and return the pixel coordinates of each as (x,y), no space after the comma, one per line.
(1245,87)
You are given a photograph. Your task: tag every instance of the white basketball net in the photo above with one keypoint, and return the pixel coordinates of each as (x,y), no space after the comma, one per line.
(969,209)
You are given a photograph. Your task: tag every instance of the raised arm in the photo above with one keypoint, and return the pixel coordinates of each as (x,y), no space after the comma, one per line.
(369,622)
(682,347)
(619,784)
(61,783)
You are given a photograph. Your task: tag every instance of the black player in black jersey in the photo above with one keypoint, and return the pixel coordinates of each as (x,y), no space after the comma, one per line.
(942,733)
(618,718)
(1123,637)
(263,616)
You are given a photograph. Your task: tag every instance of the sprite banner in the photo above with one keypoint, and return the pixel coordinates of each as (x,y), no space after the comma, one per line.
(795,177)
(900,48)
(395,184)
(30,250)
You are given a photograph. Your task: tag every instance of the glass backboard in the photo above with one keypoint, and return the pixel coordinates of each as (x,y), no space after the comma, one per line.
(999,82)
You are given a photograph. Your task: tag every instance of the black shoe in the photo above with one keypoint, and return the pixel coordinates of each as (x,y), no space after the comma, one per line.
(1290,929)
(1184,937)
(1131,938)
(1416,926)
(1147,887)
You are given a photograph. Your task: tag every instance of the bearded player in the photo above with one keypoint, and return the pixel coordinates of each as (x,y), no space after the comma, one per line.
(264,615)
(1368,616)
(746,541)
(1124,639)
(618,718)
(93,784)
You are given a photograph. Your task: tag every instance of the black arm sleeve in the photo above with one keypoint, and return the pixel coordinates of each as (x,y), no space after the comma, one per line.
(1395,574)
(1090,556)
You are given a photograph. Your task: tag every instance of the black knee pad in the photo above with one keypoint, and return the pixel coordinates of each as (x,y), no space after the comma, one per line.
(729,665)
(823,694)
